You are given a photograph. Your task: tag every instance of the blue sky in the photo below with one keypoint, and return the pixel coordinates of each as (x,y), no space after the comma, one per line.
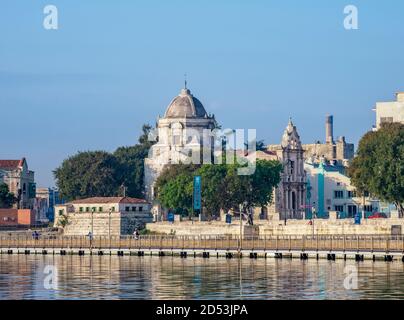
(114,65)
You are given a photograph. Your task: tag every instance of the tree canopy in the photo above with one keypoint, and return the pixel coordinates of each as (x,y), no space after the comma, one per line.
(99,173)
(222,187)
(7,199)
(378,167)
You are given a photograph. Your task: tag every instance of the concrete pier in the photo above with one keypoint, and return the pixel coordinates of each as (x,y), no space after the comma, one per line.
(359,248)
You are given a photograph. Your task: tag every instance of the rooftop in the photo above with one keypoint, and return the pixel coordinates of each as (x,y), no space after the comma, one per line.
(185,105)
(106,200)
(11,164)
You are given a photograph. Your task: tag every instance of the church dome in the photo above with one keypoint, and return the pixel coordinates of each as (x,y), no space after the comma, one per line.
(185,105)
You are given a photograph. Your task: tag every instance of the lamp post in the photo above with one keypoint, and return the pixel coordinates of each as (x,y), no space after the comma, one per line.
(92,221)
(109,223)
(241,228)
(313,214)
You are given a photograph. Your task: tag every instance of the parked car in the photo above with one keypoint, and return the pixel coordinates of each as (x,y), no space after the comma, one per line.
(378,215)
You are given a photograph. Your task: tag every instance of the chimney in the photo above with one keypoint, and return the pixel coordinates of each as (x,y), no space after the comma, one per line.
(329,129)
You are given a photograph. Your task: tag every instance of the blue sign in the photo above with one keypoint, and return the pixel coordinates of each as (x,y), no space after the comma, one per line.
(197,193)
(170,216)
(357,218)
(228,218)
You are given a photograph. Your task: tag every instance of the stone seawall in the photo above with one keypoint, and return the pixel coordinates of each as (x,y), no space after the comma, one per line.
(293,227)
(119,223)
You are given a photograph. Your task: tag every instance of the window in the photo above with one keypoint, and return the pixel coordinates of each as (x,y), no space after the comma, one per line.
(126,208)
(352,194)
(100,209)
(133,208)
(338,194)
(386,119)
(351,211)
(140,208)
(87,209)
(368,208)
(366,194)
(61,212)
(81,209)
(93,209)
(339,208)
(292,167)
(176,140)
(113,209)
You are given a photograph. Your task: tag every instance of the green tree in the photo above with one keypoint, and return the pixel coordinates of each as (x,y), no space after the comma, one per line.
(177,193)
(130,170)
(7,199)
(212,178)
(98,173)
(88,174)
(222,186)
(378,167)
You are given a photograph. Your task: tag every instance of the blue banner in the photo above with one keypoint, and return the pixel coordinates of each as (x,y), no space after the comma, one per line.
(170,217)
(197,193)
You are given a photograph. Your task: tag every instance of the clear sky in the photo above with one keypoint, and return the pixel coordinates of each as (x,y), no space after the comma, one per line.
(114,65)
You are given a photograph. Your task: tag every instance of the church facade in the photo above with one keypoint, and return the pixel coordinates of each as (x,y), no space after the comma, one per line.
(289,198)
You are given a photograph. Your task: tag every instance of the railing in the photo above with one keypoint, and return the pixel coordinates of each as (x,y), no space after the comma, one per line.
(372,243)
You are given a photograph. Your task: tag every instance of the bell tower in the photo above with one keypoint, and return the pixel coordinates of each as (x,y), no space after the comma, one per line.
(292,189)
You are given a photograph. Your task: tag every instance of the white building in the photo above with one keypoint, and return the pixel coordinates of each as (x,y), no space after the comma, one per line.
(329,189)
(103,216)
(390,111)
(181,136)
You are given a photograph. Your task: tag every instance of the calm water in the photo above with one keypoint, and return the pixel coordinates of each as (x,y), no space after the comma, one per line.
(106,277)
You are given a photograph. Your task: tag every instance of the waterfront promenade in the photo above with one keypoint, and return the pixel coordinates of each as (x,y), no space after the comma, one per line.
(356,247)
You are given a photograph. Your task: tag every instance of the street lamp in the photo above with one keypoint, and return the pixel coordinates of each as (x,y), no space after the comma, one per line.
(313,214)
(92,221)
(241,207)
(109,223)
(241,227)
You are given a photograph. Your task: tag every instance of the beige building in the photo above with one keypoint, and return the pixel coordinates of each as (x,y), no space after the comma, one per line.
(103,216)
(20,181)
(334,151)
(390,111)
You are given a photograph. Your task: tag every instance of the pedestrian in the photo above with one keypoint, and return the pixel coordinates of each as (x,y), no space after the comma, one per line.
(90,236)
(136,234)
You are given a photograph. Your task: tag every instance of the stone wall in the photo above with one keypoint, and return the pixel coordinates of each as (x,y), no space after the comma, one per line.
(119,224)
(293,227)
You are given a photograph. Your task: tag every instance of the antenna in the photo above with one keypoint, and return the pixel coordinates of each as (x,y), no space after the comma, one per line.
(185,80)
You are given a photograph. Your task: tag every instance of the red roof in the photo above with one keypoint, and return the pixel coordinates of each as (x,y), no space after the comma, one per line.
(11,164)
(103,200)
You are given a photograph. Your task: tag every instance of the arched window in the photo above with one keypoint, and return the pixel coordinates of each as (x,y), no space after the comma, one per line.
(176,133)
(293,200)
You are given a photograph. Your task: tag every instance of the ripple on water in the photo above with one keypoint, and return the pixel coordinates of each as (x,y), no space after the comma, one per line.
(129,277)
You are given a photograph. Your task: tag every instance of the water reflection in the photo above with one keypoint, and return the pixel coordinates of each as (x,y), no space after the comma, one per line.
(111,277)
